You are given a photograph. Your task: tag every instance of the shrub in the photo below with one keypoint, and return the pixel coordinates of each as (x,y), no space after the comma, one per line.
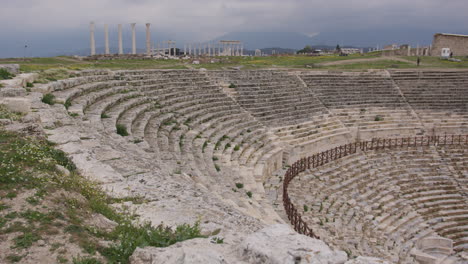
(28,84)
(378,118)
(306,208)
(103,115)
(48,99)
(217,167)
(132,236)
(215,158)
(249,194)
(67,103)
(232,85)
(227,146)
(239,185)
(236,148)
(121,130)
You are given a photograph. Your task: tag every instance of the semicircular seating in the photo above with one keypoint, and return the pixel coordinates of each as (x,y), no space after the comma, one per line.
(440,98)
(222,128)
(381,202)
(183,117)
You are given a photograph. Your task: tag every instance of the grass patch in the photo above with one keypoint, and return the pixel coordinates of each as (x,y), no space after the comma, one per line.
(6,114)
(378,118)
(14,258)
(67,103)
(5,75)
(239,185)
(26,240)
(103,115)
(48,99)
(85,260)
(217,240)
(29,163)
(121,130)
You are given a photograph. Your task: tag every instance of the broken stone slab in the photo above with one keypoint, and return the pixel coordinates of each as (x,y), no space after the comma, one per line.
(278,244)
(12,92)
(101,222)
(275,244)
(19,105)
(11,68)
(21,80)
(95,170)
(194,251)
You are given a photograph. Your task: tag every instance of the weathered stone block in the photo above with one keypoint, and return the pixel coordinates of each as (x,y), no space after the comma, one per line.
(11,68)
(21,105)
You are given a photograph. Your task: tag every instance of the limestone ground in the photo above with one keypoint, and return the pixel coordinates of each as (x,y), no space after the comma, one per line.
(51,214)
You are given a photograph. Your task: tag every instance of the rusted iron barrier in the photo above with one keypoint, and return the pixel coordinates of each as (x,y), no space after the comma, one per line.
(327,156)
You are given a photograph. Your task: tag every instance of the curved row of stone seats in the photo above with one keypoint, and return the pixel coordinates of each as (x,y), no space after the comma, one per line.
(183,117)
(400,195)
(368,101)
(440,98)
(273,97)
(282,102)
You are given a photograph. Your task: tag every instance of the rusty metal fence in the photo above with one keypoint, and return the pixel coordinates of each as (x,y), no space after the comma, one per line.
(327,156)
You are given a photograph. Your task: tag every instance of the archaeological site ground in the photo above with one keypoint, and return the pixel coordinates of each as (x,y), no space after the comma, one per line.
(280,159)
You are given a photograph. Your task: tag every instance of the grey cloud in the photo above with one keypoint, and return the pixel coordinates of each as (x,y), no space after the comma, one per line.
(201,20)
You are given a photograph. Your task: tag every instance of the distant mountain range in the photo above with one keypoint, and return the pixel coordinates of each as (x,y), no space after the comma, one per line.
(345,38)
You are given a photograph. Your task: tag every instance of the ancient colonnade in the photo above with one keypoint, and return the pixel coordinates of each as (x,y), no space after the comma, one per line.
(119,27)
(221,48)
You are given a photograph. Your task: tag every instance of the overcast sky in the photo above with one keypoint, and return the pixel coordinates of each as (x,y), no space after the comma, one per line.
(201,20)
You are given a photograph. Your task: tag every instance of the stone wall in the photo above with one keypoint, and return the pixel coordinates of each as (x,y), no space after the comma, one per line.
(458,44)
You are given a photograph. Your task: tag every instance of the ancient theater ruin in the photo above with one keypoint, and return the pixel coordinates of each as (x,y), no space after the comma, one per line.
(372,163)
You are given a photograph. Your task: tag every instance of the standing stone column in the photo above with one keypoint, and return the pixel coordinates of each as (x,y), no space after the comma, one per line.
(242,49)
(237,50)
(91,38)
(209,50)
(409,50)
(106,39)
(189,49)
(133,38)
(185,49)
(148,39)
(120,39)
